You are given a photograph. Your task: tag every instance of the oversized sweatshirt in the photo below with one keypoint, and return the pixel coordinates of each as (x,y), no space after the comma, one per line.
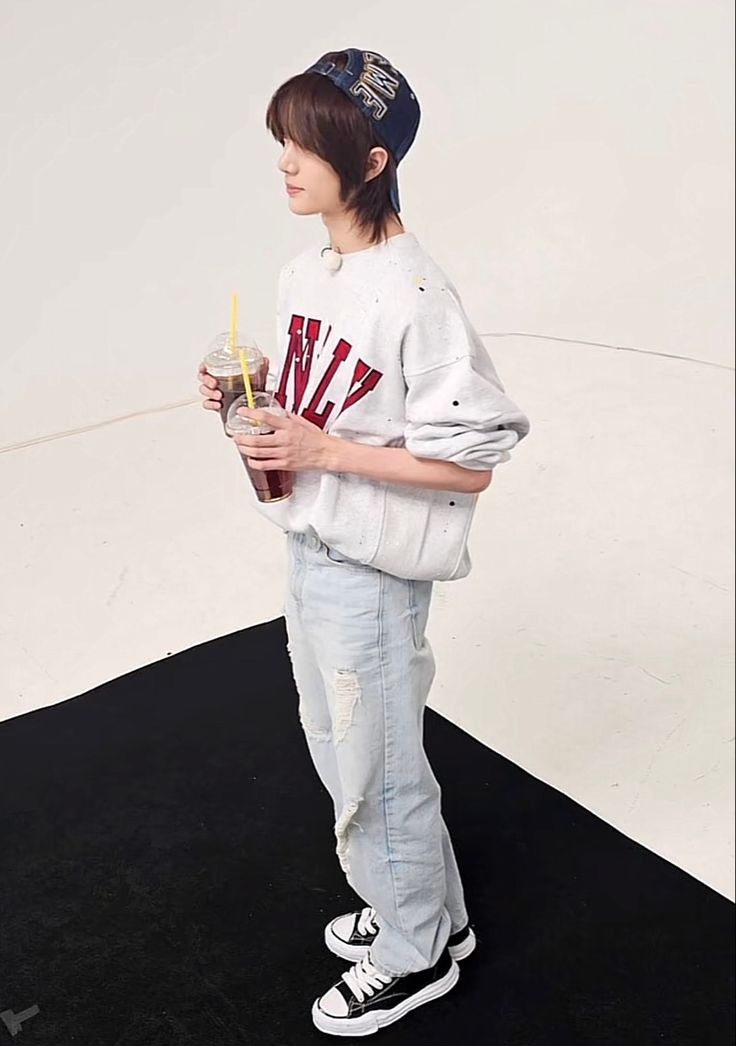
(381,352)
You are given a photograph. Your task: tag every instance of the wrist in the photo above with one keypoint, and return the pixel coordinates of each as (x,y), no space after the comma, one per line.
(334,455)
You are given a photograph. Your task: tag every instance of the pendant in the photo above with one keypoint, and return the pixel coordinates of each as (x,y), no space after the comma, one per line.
(331,258)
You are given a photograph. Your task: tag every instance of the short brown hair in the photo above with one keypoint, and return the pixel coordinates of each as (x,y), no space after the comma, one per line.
(313,112)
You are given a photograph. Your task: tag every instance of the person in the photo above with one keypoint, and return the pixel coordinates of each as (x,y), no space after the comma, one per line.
(395,421)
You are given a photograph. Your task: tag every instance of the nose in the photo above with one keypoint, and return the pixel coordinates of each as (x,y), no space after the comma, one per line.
(287,160)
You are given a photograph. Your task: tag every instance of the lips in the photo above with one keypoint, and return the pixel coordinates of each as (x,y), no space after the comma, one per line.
(294,188)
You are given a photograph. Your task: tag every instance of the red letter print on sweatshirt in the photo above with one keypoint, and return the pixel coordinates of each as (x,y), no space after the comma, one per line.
(303,335)
(298,359)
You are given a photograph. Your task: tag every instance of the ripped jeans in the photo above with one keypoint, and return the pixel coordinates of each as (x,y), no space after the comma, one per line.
(363,668)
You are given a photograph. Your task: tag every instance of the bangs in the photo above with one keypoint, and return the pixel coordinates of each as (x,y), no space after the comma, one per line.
(286,118)
(311,111)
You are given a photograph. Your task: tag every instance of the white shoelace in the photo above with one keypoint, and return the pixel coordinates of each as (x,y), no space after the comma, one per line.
(363,978)
(366,923)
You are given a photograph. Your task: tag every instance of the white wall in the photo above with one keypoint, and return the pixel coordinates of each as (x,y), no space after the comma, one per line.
(573,175)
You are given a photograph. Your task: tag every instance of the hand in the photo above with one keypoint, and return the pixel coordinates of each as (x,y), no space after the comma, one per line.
(295,445)
(209,389)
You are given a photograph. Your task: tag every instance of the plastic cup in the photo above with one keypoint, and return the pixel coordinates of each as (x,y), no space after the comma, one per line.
(270,485)
(224,365)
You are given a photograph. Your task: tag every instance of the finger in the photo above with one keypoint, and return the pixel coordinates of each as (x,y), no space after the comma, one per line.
(265,454)
(204,376)
(211,405)
(213,394)
(258,444)
(267,466)
(260,454)
(274,421)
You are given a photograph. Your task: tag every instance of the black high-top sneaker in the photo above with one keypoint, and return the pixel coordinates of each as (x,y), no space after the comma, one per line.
(351,936)
(364,1000)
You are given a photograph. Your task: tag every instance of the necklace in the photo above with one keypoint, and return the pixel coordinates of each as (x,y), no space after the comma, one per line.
(331,258)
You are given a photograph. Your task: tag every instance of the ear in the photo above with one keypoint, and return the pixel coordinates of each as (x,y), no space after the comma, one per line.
(377,160)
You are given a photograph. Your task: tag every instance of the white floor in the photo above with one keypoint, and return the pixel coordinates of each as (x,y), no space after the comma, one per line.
(591,644)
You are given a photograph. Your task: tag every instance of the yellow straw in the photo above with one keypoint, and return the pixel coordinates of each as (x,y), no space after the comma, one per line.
(246,379)
(243,360)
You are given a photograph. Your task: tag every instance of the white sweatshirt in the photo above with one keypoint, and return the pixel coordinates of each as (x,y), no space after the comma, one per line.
(381,352)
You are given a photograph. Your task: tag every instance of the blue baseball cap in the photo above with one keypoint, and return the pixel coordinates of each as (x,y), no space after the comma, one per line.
(382,94)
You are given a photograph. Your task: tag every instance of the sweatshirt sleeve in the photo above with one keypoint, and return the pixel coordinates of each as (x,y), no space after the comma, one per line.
(456,407)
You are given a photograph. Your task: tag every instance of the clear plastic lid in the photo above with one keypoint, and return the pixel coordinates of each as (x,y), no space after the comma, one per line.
(240,424)
(222,362)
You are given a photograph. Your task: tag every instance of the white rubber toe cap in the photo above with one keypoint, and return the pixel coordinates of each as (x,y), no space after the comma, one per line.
(333,1004)
(342,927)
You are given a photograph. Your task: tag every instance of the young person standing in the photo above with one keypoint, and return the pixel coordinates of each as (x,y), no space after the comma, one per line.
(396,419)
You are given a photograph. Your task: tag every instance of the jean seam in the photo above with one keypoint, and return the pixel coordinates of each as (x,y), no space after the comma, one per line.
(384,691)
(413,611)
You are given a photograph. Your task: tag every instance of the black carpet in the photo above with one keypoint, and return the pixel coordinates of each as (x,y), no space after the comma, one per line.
(167,867)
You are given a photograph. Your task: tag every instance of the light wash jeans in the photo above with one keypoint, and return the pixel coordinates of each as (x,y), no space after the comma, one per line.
(363,668)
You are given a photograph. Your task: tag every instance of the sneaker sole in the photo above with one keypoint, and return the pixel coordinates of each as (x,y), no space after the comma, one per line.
(370,1023)
(356,952)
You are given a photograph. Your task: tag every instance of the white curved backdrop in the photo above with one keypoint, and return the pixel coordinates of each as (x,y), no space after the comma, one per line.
(573,175)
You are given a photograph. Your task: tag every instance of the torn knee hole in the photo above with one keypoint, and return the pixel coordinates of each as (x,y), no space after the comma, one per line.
(342,825)
(346,686)
(311,729)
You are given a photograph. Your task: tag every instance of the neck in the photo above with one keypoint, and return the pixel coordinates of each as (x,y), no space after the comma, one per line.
(347,238)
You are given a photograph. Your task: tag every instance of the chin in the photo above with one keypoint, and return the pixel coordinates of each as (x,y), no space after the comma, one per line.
(299,205)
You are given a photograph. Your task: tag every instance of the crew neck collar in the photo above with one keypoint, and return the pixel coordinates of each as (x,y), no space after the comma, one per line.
(396,240)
